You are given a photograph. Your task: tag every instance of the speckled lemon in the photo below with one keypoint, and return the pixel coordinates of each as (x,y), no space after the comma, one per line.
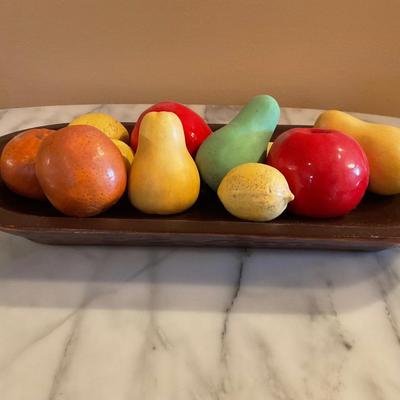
(105,123)
(126,151)
(254,192)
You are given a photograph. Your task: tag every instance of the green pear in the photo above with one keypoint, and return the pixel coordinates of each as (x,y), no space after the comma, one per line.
(243,140)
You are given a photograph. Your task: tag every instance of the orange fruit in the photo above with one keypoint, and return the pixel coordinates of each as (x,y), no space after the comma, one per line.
(81,171)
(17,164)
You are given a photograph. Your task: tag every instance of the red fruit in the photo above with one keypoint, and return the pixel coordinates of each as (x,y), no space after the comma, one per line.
(327,171)
(195,128)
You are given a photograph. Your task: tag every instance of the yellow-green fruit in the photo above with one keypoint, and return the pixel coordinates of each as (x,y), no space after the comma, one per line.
(105,123)
(381,144)
(164,178)
(255,192)
(126,152)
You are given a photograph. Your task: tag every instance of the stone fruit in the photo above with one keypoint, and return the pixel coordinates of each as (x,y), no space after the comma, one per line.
(126,152)
(81,171)
(164,178)
(255,192)
(381,144)
(105,123)
(242,141)
(17,163)
(195,128)
(327,171)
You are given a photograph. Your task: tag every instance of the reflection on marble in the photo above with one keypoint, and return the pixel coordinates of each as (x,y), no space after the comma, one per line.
(102,323)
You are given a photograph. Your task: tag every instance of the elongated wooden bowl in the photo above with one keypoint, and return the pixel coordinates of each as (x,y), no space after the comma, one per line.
(374,225)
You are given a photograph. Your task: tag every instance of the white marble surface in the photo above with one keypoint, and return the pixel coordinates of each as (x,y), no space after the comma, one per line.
(83,323)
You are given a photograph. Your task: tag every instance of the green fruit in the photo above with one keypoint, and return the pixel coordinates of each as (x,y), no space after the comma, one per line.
(243,140)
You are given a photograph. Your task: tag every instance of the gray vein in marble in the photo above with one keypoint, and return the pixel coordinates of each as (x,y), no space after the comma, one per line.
(274,382)
(56,326)
(326,319)
(329,312)
(225,324)
(71,340)
(384,260)
(155,260)
(206,387)
(384,292)
(313,310)
(40,337)
(91,297)
(155,339)
(156,336)
(64,363)
(235,295)
(345,342)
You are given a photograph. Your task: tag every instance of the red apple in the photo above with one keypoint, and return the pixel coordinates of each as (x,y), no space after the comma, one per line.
(327,171)
(195,128)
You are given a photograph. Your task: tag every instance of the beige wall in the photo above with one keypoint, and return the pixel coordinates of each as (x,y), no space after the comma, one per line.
(319,54)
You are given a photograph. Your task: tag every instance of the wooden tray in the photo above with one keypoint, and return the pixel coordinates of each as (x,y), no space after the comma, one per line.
(374,225)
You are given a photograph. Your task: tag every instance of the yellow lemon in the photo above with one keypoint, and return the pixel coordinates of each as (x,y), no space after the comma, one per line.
(126,151)
(105,123)
(254,192)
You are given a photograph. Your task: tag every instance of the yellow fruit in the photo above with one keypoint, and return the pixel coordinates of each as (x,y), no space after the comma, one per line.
(164,178)
(105,123)
(381,144)
(254,192)
(126,151)
(269,146)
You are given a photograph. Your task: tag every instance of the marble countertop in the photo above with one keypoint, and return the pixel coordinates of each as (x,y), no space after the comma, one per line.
(82,323)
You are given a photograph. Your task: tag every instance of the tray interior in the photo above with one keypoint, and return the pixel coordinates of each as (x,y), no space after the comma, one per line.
(377,217)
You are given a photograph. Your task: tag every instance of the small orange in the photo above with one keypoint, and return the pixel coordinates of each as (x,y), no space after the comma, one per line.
(81,171)
(17,164)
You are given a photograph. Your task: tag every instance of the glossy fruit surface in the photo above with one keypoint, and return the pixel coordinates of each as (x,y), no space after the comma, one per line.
(381,144)
(18,163)
(327,171)
(195,128)
(81,171)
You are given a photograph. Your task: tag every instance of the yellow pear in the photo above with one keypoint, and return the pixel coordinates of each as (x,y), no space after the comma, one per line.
(164,178)
(381,144)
